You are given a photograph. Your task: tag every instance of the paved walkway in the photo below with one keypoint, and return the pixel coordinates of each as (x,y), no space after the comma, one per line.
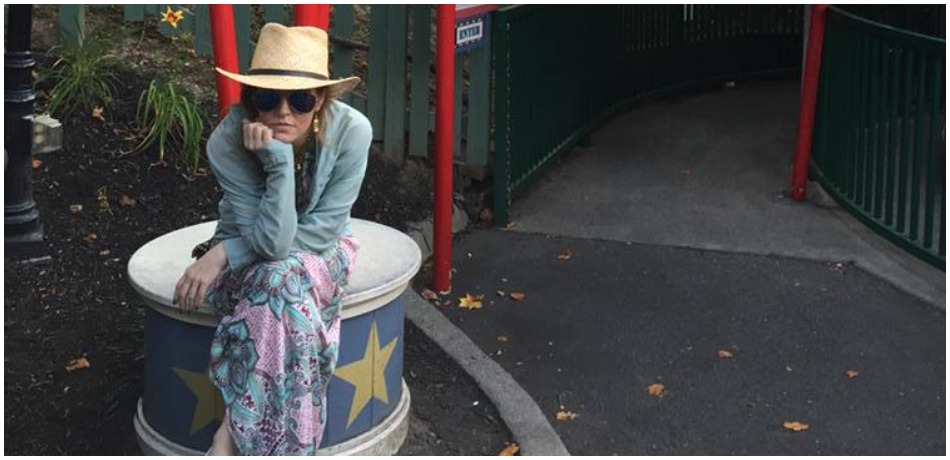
(684,244)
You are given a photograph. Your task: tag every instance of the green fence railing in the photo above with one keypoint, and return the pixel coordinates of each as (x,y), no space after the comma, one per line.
(389,46)
(880,130)
(562,70)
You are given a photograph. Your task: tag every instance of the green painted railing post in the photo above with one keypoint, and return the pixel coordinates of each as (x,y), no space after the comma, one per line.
(502,178)
(479,109)
(203,45)
(341,25)
(72,25)
(394,146)
(421,59)
(278,13)
(376,86)
(133,13)
(457,125)
(242,32)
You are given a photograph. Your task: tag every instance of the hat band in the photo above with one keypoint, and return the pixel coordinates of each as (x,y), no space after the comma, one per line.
(287,73)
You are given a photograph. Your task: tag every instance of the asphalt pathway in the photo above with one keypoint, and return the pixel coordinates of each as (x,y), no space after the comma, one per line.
(683,245)
(595,331)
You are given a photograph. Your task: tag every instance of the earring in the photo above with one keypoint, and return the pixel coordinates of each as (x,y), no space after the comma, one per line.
(316,124)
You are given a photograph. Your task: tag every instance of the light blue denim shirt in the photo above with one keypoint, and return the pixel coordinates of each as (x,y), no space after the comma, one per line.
(258,215)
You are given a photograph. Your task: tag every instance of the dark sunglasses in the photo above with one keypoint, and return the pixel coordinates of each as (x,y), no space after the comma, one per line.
(299,101)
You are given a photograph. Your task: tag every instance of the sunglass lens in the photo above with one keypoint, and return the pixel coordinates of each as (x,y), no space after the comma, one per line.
(302,102)
(265,101)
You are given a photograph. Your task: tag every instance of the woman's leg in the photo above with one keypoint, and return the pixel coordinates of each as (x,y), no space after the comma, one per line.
(222,444)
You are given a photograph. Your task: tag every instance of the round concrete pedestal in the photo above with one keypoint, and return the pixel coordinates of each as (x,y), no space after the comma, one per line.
(367,400)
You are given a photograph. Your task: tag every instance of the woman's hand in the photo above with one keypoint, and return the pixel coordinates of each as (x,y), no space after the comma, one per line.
(193,286)
(256,135)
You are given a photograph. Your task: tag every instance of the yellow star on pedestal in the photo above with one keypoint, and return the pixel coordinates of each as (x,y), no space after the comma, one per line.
(210,405)
(360,374)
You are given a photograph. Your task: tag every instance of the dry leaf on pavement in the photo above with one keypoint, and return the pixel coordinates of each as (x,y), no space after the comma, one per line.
(37,164)
(656,389)
(77,364)
(510,450)
(564,255)
(91,238)
(725,354)
(75,208)
(127,201)
(851,374)
(511,225)
(502,338)
(564,415)
(97,114)
(519,296)
(500,293)
(470,302)
(429,295)
(795,426)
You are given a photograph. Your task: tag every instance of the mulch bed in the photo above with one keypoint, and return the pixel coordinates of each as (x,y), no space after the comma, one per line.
(80,304)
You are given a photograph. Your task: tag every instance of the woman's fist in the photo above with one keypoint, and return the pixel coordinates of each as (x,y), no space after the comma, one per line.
(256,135)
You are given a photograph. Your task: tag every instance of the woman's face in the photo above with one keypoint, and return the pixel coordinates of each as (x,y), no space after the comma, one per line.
(284,116)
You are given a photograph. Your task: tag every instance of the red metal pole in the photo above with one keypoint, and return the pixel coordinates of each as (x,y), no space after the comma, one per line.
(312,15)
(444,132)
(225,55)
(806,118)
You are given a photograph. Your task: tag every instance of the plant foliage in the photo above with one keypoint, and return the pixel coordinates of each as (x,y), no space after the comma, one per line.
(84,77)
(170,119)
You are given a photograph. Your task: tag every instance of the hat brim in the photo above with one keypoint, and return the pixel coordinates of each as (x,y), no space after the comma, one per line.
(293,83)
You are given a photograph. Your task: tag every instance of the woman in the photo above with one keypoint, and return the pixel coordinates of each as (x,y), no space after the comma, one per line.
(290,160)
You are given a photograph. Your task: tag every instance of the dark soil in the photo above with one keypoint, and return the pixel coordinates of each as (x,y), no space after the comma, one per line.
(79,303)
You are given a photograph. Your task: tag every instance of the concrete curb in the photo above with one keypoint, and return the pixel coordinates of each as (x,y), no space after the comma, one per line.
(531,429)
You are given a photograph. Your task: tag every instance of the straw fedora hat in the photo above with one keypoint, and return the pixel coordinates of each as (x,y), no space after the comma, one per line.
(292,58)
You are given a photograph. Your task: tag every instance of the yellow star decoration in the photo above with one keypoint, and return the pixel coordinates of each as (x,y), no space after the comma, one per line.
(172,17)
(210,405)
(361,374)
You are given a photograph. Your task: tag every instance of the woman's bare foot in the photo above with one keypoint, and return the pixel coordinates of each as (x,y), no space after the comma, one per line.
(222,444)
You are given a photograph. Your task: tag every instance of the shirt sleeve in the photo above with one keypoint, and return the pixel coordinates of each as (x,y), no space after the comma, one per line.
(320,229)
(261,195)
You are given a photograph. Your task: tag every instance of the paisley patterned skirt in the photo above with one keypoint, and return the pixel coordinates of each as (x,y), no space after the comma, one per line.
(276,347)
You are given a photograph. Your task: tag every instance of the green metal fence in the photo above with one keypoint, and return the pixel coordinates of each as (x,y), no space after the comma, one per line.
(562,70)
(880,145)
(392,53)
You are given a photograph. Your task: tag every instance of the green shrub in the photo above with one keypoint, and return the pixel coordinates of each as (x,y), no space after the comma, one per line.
(83,78)
(172,120)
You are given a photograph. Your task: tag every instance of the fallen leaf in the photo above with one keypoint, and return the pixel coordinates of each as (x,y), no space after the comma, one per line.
(91,238)
(126,201)
(77,364)
(429,295)
(97,114)
(656,389)
(511,225)
(565,415)
(795,426)
(851,374)
(104,252)
(500,293)
(75,208)
(725,354)
(502,338)
(509,450)
(519,296)
(470,302)
(37,164)
(564,255)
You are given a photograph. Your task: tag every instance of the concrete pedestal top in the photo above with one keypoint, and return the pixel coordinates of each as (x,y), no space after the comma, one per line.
(386,260)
